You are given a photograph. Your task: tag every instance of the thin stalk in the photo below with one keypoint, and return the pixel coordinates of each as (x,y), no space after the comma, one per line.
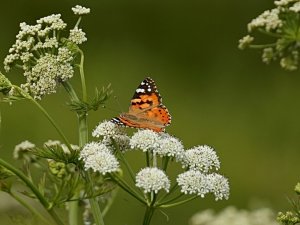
(110,202)
(70,90)
(262,46)
(83,139)
(168,193)
(150,210)
(78,21)
(171,200)
(83,83)
(27,96)
(34,189)
(165,162)
(179,203)
(148,158)
(98,217)
(128,167)
(33,211)
(127,188)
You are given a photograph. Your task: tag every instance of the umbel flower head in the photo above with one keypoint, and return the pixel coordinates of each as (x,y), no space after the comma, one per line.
(98,157)
(280,24)
(152,179)
(45,56)
(200,162)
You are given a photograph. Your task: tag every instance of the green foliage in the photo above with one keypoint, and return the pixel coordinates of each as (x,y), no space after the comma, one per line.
(291,217)
(99,99)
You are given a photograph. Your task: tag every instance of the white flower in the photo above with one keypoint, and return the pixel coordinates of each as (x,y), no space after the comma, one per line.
(283,2)
(202,158)
(28,30)
(80,10)
(122,141)
(26,57)
(193,182)
(98,157)
(9,60)
(295,7)
(67,150)
(43,77)
(53,21)
(152,179)
(52,143)
(268,55)
(219,186)
(233,216)
(169,146)
(50,43)
(21,148)
(290,62)
(77,36)
(145,140)
(245,41)
(268,19)
(106,129)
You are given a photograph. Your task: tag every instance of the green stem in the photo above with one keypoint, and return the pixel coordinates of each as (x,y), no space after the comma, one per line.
(83,139)
(34,189)
(150,210)
(165,162)
(67,85)
(128,167)
(33,211)
(168,193)
(83,84)
(170,200)
(148,215)
(269,33)
(27,96)
(98,217)
(148,158)
(78,21)
(179,203)
(109,202)
(127,188)
(262,46)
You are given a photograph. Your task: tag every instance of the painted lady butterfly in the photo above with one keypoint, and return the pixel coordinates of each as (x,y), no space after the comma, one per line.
(146,110)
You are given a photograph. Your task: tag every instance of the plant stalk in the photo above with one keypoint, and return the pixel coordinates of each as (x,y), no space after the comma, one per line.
(34,189)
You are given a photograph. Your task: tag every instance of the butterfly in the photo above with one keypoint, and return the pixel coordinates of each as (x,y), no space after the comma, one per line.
(146,109)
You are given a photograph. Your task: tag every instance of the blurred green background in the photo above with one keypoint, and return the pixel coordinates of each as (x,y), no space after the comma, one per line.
(217,94)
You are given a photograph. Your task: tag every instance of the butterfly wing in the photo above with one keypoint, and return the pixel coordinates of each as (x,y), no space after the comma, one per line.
(146,109)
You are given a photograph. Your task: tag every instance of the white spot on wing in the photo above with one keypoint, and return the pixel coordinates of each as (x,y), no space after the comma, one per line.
(140,90)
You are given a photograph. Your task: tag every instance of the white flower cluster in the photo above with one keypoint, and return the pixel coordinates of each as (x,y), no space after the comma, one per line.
(99,158)
(43,55)
(56,143)
(152,179)
(202,158)
(199,161)
(22,148)
(233,216)
(159,143)
(269,19)
(80,10)
(110,133)
(280,23)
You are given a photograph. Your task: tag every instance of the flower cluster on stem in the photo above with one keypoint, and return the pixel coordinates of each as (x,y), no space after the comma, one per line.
(200,164)
(280,25)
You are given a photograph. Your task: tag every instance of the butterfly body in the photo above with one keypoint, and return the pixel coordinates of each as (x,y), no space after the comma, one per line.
(146,109)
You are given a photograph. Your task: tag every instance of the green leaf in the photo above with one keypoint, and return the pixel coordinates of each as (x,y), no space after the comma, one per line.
(100,98)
